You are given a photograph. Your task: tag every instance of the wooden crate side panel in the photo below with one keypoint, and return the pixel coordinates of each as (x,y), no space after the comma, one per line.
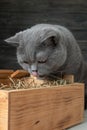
(4,74)
(3,110)
(5,81)
(46,109)
(69,78)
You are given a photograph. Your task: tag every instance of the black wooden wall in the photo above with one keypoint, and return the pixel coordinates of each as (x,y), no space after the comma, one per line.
(16,15)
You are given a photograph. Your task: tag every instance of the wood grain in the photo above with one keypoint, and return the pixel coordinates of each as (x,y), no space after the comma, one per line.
(46,109)
(5,73)
(4,110)
(69,78)
(5,81)
(20,74)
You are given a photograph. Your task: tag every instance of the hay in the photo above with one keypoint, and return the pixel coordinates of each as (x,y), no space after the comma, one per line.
(32,82)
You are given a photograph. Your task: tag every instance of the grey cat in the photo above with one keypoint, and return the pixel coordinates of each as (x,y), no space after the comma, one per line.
(45,50)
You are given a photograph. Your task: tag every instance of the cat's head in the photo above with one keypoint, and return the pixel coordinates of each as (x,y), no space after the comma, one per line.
(39,50)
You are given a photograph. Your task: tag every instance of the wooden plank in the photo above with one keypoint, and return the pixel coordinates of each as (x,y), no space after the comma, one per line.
(4,81)
(5,73)
(4,110)
(19,74)
(46,109)
(80,34)
(83,44)
(69,78)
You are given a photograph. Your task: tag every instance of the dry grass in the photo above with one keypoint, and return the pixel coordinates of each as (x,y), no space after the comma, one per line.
(32,82)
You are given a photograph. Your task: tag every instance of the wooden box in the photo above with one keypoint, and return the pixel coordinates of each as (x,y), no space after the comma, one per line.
(55,108)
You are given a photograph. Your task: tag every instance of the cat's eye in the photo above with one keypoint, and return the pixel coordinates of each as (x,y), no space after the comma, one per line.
(26,62)
(41,62)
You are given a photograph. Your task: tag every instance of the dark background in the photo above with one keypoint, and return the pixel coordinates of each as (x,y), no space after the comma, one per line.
(17,15)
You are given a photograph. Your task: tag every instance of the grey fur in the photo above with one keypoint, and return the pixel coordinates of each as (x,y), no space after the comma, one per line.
(35,45)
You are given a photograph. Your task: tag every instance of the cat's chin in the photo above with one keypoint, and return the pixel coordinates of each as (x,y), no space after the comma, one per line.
(41,77)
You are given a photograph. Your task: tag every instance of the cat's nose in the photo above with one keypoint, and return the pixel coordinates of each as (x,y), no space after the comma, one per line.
(34,73)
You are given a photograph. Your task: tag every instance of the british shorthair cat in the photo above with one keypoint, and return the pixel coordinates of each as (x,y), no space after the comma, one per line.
(46,50)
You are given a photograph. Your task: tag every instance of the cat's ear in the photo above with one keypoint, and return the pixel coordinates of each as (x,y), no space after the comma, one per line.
(53,40)
(14,40)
